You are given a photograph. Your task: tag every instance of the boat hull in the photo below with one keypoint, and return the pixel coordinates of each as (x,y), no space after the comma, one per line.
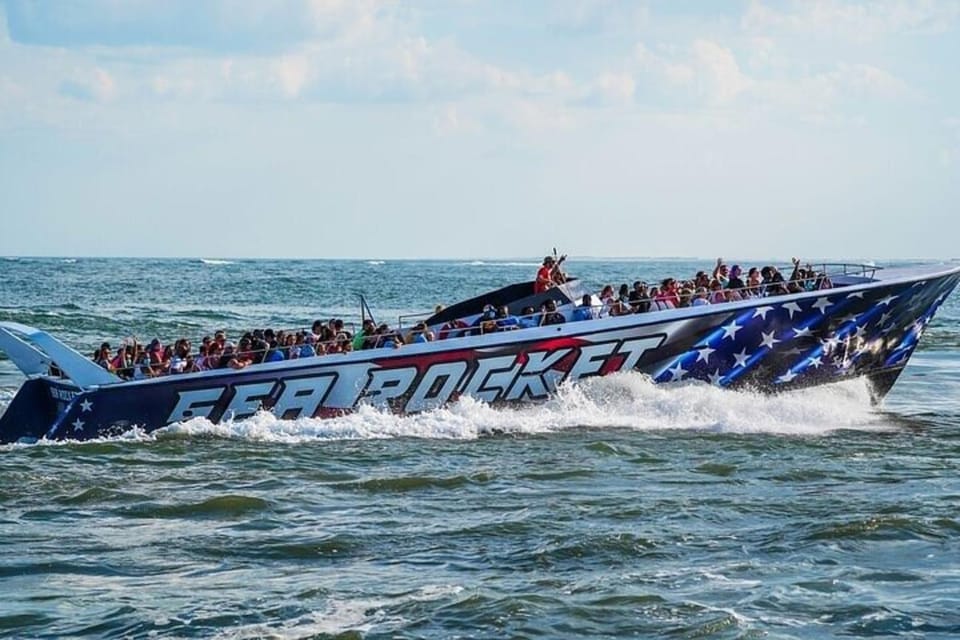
(768,344)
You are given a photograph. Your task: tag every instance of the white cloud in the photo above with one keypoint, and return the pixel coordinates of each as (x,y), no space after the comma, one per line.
(615,87)
(856,21)
(676,73)
(719,72)
(94,84)
(293,72)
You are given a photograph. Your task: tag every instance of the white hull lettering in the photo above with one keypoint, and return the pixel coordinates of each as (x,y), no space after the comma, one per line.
(303,396)
(386,384)
(247,399)
(195,404)
(492,378)
(427,396)
(531,383)
(634,350)
(591,359)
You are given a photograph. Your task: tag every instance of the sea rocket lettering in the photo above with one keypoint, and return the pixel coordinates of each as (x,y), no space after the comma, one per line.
(519,376)
(247,399)
(532,383)
(303,396)
(198,403)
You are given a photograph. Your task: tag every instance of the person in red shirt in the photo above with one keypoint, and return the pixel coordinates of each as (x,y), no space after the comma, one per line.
(544,275)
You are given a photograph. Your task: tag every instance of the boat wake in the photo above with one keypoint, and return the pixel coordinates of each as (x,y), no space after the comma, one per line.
(624,401)
(621,401)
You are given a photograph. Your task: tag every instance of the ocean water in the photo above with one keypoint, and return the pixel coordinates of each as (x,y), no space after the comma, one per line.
(617,509)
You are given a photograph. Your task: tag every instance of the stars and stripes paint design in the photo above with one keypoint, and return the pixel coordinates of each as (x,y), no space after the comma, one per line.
(838,333)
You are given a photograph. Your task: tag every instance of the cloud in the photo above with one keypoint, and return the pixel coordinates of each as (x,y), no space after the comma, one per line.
(94,86)
(293,72)
(858,21)
(719,72)
(615,87)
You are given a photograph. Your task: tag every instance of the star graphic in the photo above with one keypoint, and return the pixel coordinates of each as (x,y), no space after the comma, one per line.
(677,372)
(768,340)
(856,294)
(859,333)
(730,330)
(816,363)
(761,312)
(86,405)
(787,377)
(802,333)
(792,307)
(792,352)
(822,304)
(77,424)
(741,358)
(848,318)
(830,342)
(704,354)
(886,315)
(886,300)
(715,378)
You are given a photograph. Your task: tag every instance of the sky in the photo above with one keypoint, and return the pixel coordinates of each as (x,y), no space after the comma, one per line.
(461,128)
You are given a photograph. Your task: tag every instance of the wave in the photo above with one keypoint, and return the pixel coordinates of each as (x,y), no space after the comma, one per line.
(624,401)
(212,261)
(68,260)
(620,401)
(376,262)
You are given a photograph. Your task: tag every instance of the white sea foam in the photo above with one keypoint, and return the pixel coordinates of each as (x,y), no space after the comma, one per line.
(68,260)
(212,261)
(482,263)
(627,401)
(341,616)
(376,262)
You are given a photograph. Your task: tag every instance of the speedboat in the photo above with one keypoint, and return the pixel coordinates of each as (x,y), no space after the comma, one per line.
(867,325)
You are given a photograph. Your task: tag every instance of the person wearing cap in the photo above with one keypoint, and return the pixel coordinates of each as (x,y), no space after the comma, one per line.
(544,275)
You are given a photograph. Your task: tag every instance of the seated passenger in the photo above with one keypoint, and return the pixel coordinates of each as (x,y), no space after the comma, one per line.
(754,284)
(551,315)
(773,284)
(639,298)
(178,362)
(735,282)
(721,272)
(274,354)
(670,292)
(308,348)
(586,310)
(452,329)
(505,320)
(420,334)
(717,293)
(386,338)
(366,338)
(699,297)
(489,314)
(529,318)
(103,358)
(141,366)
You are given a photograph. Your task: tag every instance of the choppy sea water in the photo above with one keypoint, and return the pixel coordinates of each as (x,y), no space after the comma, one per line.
(617,509)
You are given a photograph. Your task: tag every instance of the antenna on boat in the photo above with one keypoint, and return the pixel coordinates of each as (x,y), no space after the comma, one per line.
(365,310)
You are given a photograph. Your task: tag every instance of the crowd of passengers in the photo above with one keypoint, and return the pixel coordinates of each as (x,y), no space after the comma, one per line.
(726,284)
